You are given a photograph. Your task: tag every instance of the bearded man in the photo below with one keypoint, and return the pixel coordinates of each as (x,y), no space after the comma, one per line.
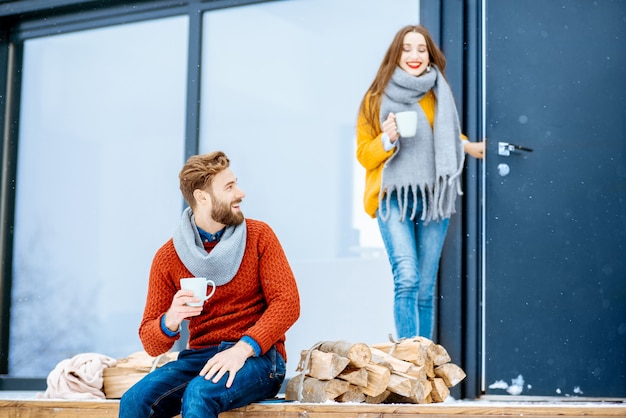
(236,353)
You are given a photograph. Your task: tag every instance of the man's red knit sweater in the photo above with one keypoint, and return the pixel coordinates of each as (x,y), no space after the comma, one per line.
(261,301)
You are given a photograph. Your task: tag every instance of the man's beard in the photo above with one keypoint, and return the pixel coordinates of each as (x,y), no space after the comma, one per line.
(222,212)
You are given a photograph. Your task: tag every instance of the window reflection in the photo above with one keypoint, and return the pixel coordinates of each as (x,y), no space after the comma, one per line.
(101,144)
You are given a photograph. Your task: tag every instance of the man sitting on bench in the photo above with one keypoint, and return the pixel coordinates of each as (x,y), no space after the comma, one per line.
(236,351)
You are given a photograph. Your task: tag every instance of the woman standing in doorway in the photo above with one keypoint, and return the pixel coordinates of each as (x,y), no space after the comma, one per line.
(411,183)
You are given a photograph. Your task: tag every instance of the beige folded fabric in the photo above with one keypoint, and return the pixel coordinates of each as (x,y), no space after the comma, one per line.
(141,360)
(79,377)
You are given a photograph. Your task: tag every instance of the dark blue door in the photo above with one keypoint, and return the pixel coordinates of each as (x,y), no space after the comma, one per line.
(555,217)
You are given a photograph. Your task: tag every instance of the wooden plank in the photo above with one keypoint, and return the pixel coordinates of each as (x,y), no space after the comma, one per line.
(452,410)
(337,410)
(58,408)
(109,408)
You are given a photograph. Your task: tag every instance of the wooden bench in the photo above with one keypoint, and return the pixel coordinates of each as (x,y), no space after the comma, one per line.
(45,408)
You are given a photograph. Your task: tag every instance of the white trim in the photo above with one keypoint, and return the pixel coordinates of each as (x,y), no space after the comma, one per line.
(483,63)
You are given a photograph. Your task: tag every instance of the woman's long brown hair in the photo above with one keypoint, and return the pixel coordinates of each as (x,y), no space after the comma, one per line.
(370,105)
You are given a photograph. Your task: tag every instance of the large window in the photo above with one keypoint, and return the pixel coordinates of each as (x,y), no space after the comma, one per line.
(100,147)
(103,136)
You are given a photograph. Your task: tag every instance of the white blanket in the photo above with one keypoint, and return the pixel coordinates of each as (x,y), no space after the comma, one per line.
(79,377)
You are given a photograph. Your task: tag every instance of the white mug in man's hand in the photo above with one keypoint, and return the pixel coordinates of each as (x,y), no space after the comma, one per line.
(406,123)
(199,286)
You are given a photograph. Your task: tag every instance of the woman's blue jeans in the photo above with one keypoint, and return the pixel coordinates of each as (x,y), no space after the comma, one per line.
(176,387)
(414,250)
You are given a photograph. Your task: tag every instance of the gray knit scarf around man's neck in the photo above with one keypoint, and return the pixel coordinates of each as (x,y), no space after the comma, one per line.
(222,263)
(430,162)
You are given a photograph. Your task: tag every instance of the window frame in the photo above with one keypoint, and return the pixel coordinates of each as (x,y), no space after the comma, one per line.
(22,20)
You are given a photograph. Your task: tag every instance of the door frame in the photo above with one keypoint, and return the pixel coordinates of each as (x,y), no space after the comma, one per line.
(457,28)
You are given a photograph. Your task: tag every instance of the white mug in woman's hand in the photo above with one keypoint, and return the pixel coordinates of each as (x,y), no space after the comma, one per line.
(406,123)
(199,286)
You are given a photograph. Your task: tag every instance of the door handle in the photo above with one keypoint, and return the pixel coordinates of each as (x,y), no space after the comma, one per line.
(505,148)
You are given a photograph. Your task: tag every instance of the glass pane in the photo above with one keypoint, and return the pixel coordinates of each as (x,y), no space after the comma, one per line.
(101,144)
(282,83)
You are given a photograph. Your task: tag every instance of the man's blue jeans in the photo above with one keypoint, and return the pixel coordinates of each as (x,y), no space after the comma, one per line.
(176,387)
(414,249)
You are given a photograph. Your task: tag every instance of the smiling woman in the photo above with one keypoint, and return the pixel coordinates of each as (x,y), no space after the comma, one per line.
(413,181)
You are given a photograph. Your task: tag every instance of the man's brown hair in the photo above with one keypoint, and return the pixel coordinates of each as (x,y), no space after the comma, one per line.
(198,173)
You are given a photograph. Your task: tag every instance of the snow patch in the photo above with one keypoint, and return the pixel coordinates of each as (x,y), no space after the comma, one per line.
(515,388)
(499,384)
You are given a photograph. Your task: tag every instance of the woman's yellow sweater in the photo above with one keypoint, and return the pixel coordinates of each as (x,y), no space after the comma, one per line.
(372,155)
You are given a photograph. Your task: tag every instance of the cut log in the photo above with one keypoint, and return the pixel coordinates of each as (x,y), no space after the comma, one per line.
(429,367)
(377,399)
(403,385)
(450,373)
(421,394)
(359,354)
(407,350)
(323,366)
(377,379)
(418,372)
(354,394)
(435,352)
(440,390)
(314,390)
(379,356)
(440,355)
(357,377)
(382,358)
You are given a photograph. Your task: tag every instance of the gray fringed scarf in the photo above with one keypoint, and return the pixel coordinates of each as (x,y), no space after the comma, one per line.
(432,160)
(222,263)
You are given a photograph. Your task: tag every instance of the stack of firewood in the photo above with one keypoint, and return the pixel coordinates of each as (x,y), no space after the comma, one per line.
(412,370)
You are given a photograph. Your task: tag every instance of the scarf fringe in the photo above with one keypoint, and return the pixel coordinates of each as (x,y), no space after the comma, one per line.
(433,160)
(437,202)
